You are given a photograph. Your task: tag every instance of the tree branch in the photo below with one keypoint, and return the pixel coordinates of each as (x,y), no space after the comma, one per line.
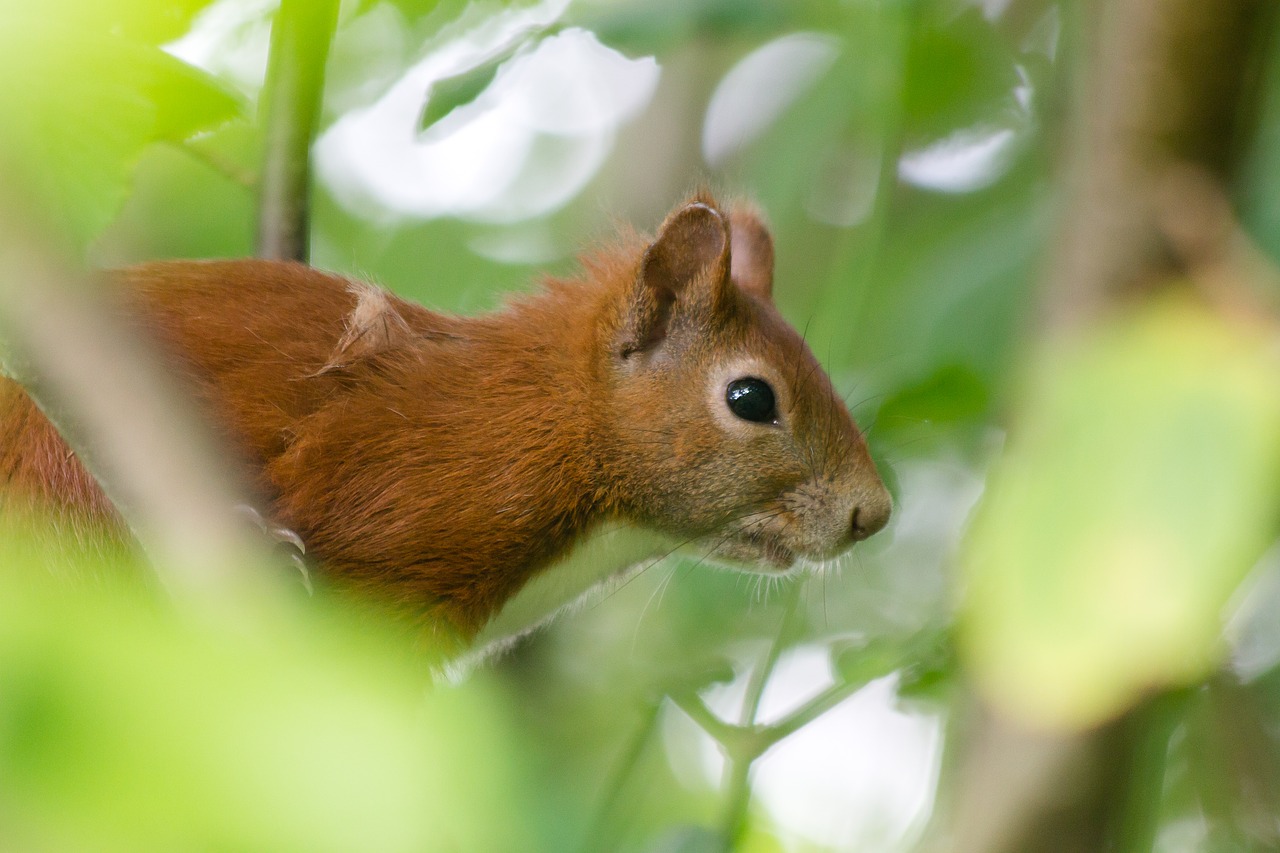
(1166,87)
(118,412)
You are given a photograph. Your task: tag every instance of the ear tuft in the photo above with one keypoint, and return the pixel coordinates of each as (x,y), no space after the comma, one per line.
(690,254)
(752,251)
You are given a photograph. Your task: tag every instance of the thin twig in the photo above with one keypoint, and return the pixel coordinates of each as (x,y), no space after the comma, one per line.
(738,769)
(737,742)
(811,710)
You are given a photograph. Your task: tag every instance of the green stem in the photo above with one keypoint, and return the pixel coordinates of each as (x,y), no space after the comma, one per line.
(739,760)
(738,799)
(810,711)
(292,98)
(744,742)
(725,734)
(760,677)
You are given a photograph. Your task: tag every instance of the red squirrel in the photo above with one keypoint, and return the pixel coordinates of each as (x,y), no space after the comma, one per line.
(448,460)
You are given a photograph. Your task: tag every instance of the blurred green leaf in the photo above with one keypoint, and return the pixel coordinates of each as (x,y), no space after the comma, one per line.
(689,839)
(79,134)
(959,70)
(123,727)
(1141,483)
(953,393)
(862,663)
(84,110)
(690,679)
(148,21)
(949,289)
(661,25)
(187,99)
(929,673)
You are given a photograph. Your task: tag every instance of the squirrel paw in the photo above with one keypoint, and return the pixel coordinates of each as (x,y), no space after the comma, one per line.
(282,539)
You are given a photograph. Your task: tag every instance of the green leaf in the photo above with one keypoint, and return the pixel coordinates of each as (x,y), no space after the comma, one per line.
(689,839)
(862,663)
(147,21)
(71,145)
(959,70)
(953,393)
(78,112)
(658,26)
(1140,485)
(126,727)
(449,93)
(691,675)
(928,676)
(187,99)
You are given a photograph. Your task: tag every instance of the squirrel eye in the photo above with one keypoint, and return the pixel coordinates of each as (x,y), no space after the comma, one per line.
(752,400)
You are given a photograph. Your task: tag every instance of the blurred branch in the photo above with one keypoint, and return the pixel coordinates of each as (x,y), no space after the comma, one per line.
(1165,88)
(292,97)
(1164,84)
(1004,776)
(116,410)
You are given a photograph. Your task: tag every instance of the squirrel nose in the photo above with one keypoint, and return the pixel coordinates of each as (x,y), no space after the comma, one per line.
(870,517)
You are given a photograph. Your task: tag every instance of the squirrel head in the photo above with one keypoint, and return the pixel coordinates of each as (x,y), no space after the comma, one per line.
(725,428)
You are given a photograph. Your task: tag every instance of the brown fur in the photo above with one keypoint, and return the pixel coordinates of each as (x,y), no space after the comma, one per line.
(449,459)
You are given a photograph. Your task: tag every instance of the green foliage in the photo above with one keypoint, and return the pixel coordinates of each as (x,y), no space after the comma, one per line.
(125,727)
(958,71)
(1134,492)
(152,22)
(96,91)
(448,94)
(1139,490)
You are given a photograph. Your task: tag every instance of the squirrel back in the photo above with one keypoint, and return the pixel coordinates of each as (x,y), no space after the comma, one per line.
(448,460)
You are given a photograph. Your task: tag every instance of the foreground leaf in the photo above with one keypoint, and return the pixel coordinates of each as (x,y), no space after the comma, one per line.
(1141,483)
(78,111)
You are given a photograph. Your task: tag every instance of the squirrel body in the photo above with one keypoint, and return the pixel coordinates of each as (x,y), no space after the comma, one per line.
(450,460)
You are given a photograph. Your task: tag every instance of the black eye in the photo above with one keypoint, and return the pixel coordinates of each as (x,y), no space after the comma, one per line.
(752,400)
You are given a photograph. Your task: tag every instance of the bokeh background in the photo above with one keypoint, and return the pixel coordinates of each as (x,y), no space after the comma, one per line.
(1031,241)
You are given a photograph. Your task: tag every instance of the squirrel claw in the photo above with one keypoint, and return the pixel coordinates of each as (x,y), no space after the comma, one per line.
(286,536)
(301,565)
(283,539)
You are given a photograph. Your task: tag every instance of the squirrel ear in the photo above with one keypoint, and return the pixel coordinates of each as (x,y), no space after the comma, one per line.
(688,262)
(752,250)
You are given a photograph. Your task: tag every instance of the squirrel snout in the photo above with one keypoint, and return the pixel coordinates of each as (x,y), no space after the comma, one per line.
(870,516)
